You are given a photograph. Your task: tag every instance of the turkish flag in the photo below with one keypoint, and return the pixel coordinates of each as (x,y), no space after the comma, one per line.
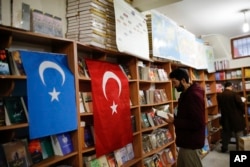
(111,106)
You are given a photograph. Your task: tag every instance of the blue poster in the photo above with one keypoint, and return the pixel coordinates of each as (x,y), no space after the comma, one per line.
(51,93)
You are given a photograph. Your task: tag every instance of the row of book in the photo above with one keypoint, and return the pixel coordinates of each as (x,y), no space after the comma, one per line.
(153,96)
(116,158)
(155,116)
(92,22)
(221,75)
(162,158)
(26,152)
(157,138)
(13,110)
(83,70)
(11,63)
(152,73)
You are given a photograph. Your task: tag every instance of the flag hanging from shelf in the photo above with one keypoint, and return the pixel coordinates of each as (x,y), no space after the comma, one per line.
(51,93)
(111,106)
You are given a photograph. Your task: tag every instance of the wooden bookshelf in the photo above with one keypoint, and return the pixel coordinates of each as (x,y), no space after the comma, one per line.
(240,79)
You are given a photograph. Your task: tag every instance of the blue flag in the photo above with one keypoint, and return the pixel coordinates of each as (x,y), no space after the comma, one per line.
(51,93)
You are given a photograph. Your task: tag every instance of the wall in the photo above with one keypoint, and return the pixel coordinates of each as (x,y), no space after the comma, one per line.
(222,50)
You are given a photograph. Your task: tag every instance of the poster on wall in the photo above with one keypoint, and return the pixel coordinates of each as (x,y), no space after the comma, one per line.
(200,55)
(187,47)
(131,30)
(164,37)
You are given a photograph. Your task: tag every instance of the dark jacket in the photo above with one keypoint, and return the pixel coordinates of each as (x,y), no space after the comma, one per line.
(232,110)
(190,118)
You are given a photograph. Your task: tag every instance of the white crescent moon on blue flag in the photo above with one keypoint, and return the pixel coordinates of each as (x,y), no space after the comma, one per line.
(49,64)
(106,76)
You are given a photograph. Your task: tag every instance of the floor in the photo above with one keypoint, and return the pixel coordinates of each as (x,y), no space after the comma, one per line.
(217,159)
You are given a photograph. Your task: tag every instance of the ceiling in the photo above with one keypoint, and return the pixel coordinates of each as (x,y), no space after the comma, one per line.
(205,17)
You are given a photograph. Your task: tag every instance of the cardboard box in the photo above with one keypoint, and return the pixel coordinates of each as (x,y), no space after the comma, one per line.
(244,143)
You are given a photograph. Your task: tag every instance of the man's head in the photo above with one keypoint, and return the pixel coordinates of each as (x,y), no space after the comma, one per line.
(180,79)
(228,85)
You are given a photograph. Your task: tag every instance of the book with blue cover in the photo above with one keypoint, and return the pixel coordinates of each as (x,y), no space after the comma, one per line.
(62,144)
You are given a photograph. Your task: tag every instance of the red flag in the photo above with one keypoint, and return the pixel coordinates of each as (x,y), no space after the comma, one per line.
(111,105)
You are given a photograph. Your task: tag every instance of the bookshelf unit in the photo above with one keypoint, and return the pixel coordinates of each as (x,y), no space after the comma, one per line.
(12,85)
(16,85)
(239,78)
(212,113)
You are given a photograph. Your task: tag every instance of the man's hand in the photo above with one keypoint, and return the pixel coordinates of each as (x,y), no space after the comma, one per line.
(170,118)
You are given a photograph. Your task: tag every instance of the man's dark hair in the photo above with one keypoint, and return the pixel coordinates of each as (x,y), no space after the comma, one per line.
(227,84)
(179,74)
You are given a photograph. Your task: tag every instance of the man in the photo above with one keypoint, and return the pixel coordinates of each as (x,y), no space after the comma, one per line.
(232,115)
(189,119)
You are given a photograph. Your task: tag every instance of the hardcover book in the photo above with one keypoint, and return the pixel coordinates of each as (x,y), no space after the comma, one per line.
(62,144)
(88,136)
(15,109)
(87,101)
(16,154)
(4,62)
(35,150)
(17,61)
(46,146)
(111,160)
(2,113)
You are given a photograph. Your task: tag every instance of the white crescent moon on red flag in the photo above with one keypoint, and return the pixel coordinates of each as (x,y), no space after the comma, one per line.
(106,76)
(49,64)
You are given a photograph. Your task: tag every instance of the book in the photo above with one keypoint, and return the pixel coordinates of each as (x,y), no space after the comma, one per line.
(144,120)
(2,113)
(35,150)
(88,136)
(16,154)
(20,15)
(130,151)
(126,71)
(15,109)
(25,16)
(150,116)
(87,101)
(37,18)
(170,156)
(81,105)
(47,149)
(17,61)
(111,160)
(62,143)
(4,62)
(121,155)
(102,160)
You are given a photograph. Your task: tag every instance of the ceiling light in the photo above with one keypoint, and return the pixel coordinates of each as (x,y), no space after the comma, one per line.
(245,26)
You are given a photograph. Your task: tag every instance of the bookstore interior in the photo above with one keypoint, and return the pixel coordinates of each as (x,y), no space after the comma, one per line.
(98,71)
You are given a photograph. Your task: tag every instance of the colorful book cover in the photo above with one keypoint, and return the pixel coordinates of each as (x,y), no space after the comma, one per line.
(35,150)
(65,142)
(4,63)
(15,109)
(47,149)
(16,154)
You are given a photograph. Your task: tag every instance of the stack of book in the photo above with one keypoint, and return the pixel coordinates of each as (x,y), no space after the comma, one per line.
(110,31)
(92,22)
(92,14)
(149,26)
(72,17)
